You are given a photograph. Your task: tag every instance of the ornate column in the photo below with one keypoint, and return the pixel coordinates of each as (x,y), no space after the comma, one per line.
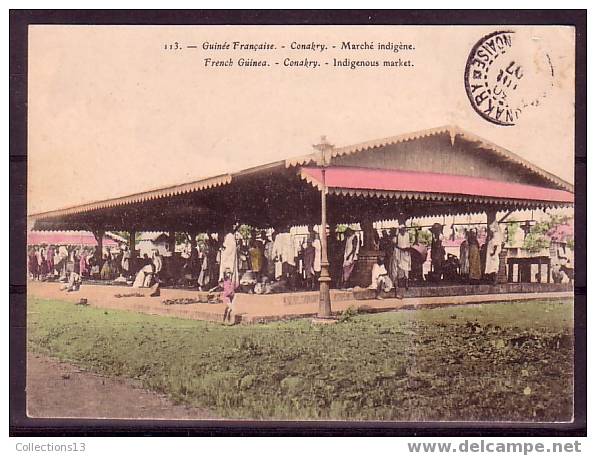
(324,280)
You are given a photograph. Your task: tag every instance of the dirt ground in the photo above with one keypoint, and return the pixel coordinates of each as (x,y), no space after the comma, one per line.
(253,308)
(61,390)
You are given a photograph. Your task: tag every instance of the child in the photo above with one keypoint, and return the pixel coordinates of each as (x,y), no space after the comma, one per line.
(228,294)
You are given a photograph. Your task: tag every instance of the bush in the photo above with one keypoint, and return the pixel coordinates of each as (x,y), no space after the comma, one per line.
(348,314)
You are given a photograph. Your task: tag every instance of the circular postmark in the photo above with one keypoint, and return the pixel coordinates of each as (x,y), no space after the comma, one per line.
(507,72)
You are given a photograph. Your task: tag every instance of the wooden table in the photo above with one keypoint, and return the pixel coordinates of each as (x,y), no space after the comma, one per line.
(524,268)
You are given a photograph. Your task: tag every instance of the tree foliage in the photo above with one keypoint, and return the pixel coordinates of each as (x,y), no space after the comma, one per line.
(538,238)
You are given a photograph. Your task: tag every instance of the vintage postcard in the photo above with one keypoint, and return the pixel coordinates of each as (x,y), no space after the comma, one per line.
(301,222)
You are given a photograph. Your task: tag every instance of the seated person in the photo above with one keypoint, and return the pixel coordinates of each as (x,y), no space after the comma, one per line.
(144,277)
(74,280)
(279,286)
(248,281)
(264,286)
(380,280)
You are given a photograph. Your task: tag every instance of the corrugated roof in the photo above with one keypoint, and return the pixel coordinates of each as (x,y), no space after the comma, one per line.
(225,179)
(202,184)
(453,131)
(430,186)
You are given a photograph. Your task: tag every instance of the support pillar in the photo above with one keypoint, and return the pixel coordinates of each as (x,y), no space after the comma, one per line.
(172,242)
(324,279)
(99,233)
(491,216)
(368,254)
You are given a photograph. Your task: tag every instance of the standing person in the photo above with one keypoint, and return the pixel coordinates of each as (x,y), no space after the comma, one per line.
(404,259)
(229,259)
(50,259)
(464,257)
(474,264)
(257,257)
(284,251)
(157,263)
(63,260)
(243,254)
(437,251)
(125,262)
(316,243)
(388,247)
(335,249)
(418,254)
(229,293)
(309,264)
(70,263)
(43,266)
(203,280)
(269,257)
(108,271)
(212,272)
(83,263)
(193,263)
(493,249)
(39,258)
(351,249)
(33,266)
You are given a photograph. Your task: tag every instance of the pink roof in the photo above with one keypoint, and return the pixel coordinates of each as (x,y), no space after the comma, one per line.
(412,181)
(66,238)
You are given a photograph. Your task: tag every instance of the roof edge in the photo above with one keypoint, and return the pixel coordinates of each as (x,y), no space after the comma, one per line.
(453,130)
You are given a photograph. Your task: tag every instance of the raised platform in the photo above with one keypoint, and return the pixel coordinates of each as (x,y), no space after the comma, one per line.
(266,308)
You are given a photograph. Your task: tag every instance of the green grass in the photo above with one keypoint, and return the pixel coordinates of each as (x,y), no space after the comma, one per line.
(505,361)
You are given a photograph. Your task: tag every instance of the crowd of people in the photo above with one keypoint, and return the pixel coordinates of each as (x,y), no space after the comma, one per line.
(259,262)
(264,262)
(402,258)
(71,264)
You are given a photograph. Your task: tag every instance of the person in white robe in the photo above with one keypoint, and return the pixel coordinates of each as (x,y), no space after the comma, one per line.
(351,251)
(380,280)
(493,249)
(229,259)
(125,262)
(464,256)
(316,243)
(157,263)
(404,262)
(284,254)
(144,277)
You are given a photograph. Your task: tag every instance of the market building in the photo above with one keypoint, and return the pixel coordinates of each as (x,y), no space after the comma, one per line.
(441,171)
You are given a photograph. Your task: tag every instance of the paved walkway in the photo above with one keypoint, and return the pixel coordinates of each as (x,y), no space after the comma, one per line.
(261,308)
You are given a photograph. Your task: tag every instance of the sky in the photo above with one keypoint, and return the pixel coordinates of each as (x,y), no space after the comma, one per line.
(112,112)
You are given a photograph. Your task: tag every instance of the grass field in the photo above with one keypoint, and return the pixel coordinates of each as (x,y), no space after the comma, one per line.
(505,361)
